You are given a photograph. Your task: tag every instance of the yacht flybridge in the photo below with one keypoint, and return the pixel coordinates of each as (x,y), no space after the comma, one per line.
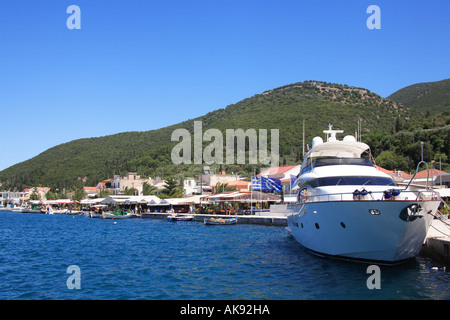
(348,209)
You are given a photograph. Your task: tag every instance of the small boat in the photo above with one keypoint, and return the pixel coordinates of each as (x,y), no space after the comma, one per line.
(47,210)
(219,221)
(59,211)
(73,212)
(108,215)
(95,215)
(29,210)
(175,217)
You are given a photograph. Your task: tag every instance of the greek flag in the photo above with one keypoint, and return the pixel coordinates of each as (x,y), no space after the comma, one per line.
(270,184)
(256,184)
(293,179)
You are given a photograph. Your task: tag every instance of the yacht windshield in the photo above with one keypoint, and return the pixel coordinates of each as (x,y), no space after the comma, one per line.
(342,161)
(321,162)
(356,181)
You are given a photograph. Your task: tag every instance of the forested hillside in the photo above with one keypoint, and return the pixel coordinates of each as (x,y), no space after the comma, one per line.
(386,125)
(424,98)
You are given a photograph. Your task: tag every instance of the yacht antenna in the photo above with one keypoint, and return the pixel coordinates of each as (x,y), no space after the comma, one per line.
(303,156)
(421,150)
(331,134)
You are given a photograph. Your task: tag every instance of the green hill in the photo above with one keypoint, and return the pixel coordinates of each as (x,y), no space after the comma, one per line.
(148,153)
(423,98)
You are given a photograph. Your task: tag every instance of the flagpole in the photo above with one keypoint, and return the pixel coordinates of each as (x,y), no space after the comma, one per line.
(251,194)
(303,155)
(260,191)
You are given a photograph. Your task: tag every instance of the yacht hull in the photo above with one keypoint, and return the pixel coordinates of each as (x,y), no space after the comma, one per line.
(380,231)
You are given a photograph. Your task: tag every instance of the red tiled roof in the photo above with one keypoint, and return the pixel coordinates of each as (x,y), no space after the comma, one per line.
(396,173)
(277,170)
(433,172)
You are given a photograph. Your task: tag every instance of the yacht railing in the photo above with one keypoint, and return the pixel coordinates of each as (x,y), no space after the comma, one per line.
(417,169)
(373,196)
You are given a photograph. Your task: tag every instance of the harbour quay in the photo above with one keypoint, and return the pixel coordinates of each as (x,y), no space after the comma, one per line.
(241,219)
(437,243)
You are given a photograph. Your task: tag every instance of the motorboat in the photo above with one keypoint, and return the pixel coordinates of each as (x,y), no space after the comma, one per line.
(47,210)
(109,215)
(179,217)
(95,215)
(348,209)
(220,221)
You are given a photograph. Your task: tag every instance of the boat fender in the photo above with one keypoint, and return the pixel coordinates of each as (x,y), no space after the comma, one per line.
(395,192)
(364,192)
(387,194)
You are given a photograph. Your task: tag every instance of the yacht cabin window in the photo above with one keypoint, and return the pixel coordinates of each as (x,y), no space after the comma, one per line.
(350,181)
(320,162)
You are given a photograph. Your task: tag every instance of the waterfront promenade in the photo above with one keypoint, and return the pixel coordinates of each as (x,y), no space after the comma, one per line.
(437,243)
(242,219)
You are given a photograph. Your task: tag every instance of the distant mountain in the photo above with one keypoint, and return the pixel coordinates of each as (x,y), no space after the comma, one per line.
(148,153)
(422,98)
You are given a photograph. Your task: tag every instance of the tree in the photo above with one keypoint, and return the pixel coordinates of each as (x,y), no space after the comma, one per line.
(104,193)
(129,191)
(390,160)
(78,195)
(172,189)
(414,152)
(222,187)
(148,189)
(34,195)
(398,124)
(50,195)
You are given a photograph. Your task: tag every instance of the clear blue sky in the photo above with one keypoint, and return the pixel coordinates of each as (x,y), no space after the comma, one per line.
(142,65)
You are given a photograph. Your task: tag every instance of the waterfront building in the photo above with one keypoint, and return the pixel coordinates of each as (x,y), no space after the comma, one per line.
(240,185)
(118,185)
(41,193)
(398,176)
(11,197)
(207,181)
(249,200)
(91,192)
(190,186)
(436,178)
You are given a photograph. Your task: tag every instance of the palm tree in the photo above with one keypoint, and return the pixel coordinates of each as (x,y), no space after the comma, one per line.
(148,189)
(222,187)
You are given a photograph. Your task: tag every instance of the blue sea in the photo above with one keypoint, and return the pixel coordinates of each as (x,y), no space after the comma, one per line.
(157,259)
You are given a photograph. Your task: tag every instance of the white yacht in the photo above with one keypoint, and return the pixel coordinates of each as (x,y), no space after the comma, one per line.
(348,209)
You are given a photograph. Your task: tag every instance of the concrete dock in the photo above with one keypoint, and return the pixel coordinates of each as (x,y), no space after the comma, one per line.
(242,219)
(437,243)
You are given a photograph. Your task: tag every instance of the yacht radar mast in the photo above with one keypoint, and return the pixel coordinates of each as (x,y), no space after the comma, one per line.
(331,134)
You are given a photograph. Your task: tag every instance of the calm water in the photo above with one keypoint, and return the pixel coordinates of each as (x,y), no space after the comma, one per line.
(155,259)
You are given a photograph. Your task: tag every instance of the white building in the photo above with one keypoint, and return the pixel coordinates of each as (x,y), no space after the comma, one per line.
(131,180)
(11,197)
(190,186)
